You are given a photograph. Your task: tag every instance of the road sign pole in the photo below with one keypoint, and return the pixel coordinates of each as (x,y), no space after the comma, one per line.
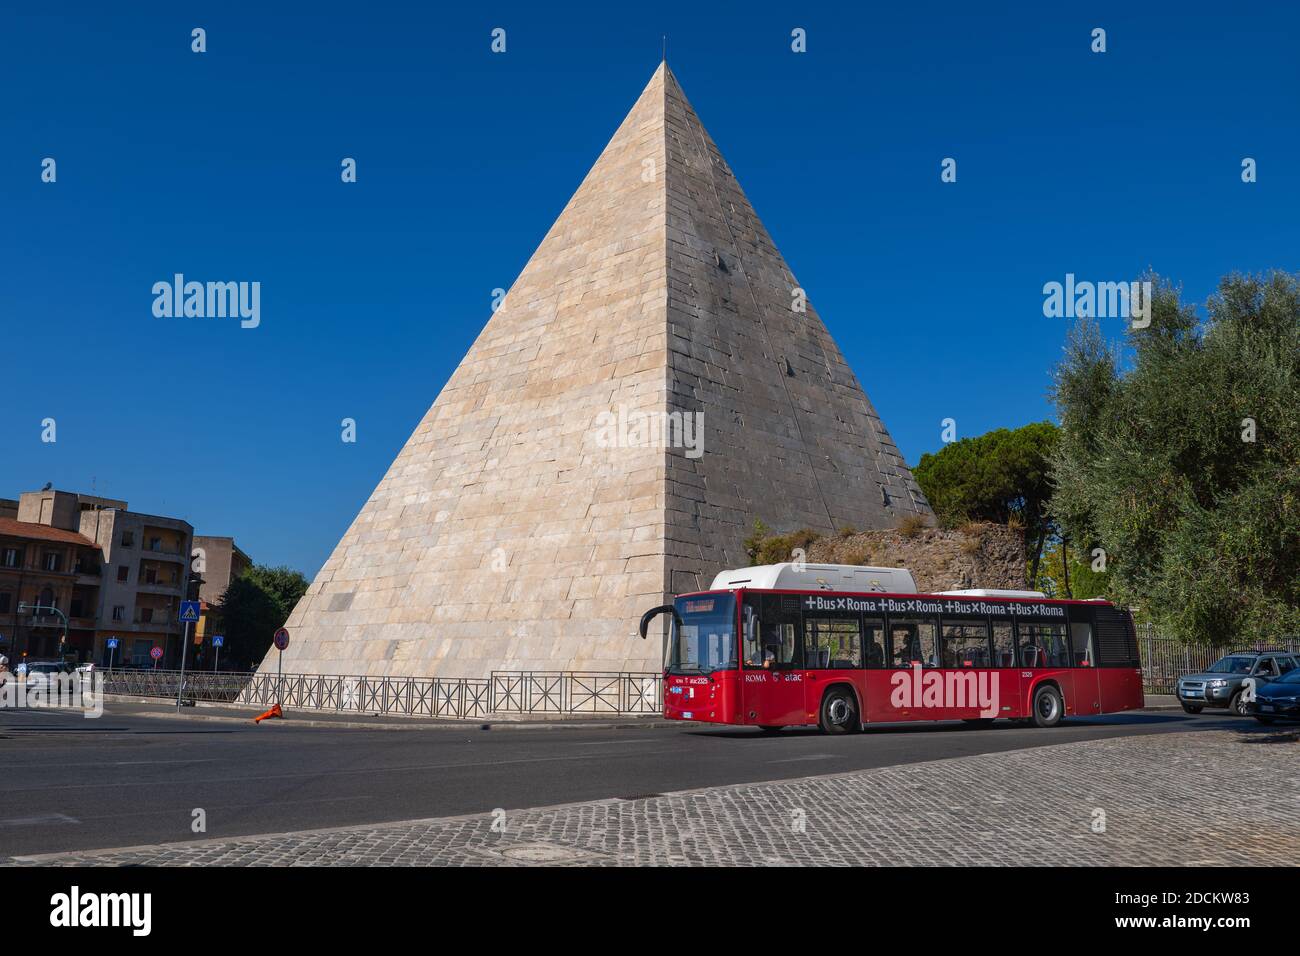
(185,646)
(279,670)
(216,658)
(190,613)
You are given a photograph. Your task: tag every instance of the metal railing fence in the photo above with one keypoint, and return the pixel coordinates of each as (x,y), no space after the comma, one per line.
(504,692)
(1164,659)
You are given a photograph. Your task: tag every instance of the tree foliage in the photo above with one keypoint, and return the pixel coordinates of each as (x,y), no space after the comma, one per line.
(1180,457)
(1003,476)
(254,606)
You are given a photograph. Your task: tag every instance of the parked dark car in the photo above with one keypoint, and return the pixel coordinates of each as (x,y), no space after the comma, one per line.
(1278,699)
(1222,684)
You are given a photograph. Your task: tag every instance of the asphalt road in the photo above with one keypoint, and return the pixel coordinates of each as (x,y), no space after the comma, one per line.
(69,783)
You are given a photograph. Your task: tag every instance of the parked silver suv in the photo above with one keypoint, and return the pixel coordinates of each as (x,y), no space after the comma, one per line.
(1223,682)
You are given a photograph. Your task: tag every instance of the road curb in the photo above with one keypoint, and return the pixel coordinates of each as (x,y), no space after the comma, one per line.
(645,723)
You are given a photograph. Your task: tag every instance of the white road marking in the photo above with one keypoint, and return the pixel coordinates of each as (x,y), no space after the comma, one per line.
(40,821)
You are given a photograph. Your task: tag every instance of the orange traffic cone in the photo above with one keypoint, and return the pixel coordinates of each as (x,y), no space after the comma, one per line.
(275,711)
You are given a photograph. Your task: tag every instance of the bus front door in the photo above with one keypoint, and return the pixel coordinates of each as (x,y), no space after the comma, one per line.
(772,675)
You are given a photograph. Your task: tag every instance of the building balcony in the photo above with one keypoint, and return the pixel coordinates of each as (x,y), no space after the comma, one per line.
(159,625)
(159,587)
(161,554)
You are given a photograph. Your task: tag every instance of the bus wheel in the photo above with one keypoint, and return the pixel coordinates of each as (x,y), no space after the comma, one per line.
(839,712)
(1047,706)
(770,728)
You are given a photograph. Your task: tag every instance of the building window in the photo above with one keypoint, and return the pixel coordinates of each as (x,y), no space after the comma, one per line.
(6,599)
(140,649)
(75,609)
(11,558)
(118,611)
(123,572)
(155,544)
(146,615)
(128,539)
(53,561)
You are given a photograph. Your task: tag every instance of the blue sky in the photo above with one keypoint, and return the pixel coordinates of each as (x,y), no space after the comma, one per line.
(225,165)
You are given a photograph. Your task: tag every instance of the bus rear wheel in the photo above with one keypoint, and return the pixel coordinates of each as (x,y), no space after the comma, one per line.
(1048,707)
(839,712)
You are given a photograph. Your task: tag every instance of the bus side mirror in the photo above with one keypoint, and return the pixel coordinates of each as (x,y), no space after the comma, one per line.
(651,614)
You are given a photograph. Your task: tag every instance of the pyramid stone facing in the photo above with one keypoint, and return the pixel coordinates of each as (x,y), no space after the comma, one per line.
(508,534)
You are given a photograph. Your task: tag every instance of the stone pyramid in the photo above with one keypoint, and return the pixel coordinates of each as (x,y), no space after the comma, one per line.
(558,488)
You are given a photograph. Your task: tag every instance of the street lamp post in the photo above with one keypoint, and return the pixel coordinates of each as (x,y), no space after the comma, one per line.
(193,582)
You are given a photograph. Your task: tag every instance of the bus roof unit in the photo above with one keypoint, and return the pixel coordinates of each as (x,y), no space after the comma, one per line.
(994,592)
(817,577)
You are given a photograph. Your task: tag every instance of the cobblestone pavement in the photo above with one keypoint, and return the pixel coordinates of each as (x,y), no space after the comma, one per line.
(1183,799)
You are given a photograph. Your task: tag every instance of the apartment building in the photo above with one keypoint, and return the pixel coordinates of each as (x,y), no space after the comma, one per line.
(222,562)
(53,575)
(142,575)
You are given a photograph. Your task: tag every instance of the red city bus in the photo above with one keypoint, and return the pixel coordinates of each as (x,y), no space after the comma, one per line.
(776,657)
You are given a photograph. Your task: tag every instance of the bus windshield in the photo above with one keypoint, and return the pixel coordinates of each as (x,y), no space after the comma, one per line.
(704,634)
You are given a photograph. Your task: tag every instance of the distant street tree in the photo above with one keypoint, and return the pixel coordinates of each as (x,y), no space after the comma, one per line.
(284,584)
(1181,459)
(1065,572)
(1002,476)
(254,606)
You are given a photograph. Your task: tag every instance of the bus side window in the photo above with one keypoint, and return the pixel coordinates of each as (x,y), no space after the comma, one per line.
(1043,645)
(779,645)
(965,642)
(1004,644)
(832,640)
(1083,654)
(873,633)
(914,639)
(751,650)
